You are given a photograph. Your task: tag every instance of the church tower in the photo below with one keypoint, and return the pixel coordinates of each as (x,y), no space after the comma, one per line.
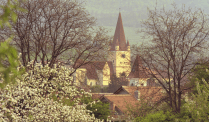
(119,51)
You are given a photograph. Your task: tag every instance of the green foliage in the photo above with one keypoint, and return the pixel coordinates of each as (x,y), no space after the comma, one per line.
(198,105)
(141,109)
(9,12)
(8,54)
(99,109)
(8,63)
(184,116)
(105,90)
(159,116)
(98,89)
(198,73)
(64,101)
(95,89)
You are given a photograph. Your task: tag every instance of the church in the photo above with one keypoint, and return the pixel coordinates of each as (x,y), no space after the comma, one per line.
(118,63)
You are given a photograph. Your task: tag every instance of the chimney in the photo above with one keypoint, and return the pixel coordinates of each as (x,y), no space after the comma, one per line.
(137,95)
(113,106)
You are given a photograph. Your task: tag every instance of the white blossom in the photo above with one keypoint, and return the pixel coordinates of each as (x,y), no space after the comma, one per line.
(30,99)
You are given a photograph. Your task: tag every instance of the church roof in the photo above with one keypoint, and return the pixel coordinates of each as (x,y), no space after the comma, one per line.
(91,71)
(91,67)
(99,65)
(138,70)
(120,36)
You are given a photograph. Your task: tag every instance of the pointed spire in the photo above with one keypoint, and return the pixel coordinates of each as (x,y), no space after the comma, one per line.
(138,60)
(128,43)
(138,70)
(119,34)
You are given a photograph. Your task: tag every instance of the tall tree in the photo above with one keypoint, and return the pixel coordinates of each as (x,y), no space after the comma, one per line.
(50,28)
(177,41)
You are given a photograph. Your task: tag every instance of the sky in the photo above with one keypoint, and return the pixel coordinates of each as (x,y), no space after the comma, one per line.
(133,12)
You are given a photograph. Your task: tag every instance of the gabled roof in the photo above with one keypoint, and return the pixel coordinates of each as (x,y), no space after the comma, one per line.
(122,88)
(128,89)
(91,71)
(145,91)
(78,63)
(138,70)
(91,67)
(151,94)
(121,101)
(119,35)
(99,65)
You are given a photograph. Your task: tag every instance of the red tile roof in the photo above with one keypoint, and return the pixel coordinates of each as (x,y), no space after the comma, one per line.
(121,100)
(124,101)
(119,35)
(145,91)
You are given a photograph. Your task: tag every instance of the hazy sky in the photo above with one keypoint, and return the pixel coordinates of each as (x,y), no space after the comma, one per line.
(133,11)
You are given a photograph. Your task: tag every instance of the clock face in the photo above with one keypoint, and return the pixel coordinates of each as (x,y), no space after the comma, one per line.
(123,55)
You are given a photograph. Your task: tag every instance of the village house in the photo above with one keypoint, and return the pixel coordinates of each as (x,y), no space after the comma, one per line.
(129,96)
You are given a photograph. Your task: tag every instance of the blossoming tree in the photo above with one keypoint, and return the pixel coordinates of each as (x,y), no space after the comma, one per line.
(31,98)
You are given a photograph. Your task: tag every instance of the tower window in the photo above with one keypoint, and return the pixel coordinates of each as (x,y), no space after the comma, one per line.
(113,61)
(123,55)
(123,74)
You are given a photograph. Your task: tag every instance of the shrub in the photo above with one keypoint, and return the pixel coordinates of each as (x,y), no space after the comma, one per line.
(159,116)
